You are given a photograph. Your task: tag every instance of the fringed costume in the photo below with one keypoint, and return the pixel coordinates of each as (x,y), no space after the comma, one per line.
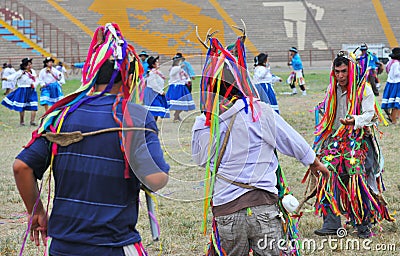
(352,154)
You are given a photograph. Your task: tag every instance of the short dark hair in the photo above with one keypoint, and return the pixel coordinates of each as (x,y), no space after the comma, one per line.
(340,60)
(105,73)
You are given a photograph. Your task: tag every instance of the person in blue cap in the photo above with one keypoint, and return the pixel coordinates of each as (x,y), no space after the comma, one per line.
(368,63)
(297,65)
(143,57)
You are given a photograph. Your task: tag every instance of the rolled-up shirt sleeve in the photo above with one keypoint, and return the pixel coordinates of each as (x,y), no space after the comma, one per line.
(289,142)
(367,108)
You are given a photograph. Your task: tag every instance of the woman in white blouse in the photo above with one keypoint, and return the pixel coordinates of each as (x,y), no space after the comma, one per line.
(154,96)
(178,94)
(391,94)
(24,98)
(263,80)
(50,87)
(8,70)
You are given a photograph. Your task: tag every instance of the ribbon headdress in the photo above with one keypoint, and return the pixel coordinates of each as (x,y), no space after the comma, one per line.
(107,43)
(224,80)
(355,92)
(224,68)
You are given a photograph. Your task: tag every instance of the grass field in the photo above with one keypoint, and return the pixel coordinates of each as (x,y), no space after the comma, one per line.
(180,204)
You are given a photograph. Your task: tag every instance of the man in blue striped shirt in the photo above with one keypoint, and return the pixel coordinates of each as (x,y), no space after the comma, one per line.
(95,207)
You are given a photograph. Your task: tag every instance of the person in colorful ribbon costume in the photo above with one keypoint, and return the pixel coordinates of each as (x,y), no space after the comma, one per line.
(241,175)
(95,207)
(50,86)
(345,140)
(368,63)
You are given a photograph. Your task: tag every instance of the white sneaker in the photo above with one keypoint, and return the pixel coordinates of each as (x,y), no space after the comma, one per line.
(294,91)
(304,93)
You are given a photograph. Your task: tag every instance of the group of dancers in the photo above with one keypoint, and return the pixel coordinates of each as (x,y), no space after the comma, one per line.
(178,96)
(24,97)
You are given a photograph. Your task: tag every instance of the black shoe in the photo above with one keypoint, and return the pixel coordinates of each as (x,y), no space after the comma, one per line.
(365,235)
(364,230)
(325,232)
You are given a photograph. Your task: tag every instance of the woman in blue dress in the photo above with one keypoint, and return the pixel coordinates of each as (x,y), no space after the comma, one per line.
(391,94)
(178,94)
(49,78)
(263,80)
(154,96)
(24,98)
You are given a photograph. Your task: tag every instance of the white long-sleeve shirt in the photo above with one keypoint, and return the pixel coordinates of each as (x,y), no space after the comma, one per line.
(394,73)
(263,74)
(178,76)
(249,156)
(155,81)
(24,79)
(49,77)
(8,72)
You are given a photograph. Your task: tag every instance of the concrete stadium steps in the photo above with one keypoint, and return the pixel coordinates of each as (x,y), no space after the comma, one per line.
(77,8)
(164,25)
(13,53)
(272,25)
(392,12)
(44,36)
(350,22)
(24,41)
